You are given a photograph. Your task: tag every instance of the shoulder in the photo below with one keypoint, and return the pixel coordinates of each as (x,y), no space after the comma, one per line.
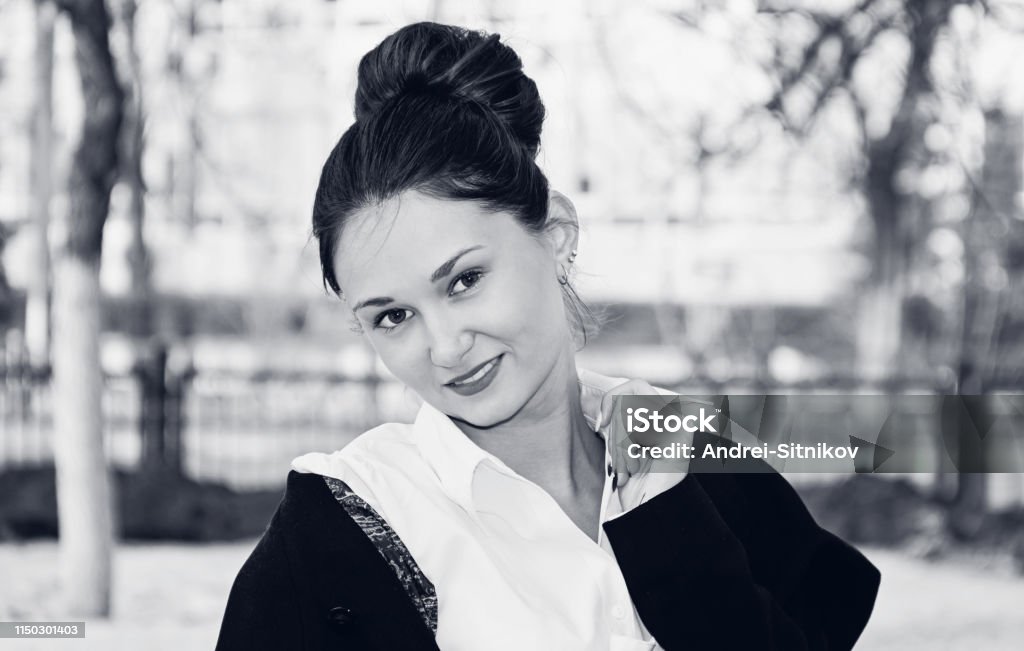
(385,436)
(312,562)
(379,465)
(264,608)
(385,445)
(309,532)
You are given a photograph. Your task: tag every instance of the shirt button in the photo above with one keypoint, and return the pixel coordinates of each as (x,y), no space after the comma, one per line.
(618,612)
(340,617)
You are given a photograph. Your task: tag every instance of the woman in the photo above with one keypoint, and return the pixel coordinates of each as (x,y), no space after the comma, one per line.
(501,519)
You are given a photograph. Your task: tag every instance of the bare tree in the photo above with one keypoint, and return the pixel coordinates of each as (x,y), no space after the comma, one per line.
(83,485)
(825,67)
(823,73)
(990,236)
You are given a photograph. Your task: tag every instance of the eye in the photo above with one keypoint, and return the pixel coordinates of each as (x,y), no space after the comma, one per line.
(391,319)
(468,279)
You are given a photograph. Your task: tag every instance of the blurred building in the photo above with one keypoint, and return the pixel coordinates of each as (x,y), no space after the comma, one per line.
(682,200)
(245,99)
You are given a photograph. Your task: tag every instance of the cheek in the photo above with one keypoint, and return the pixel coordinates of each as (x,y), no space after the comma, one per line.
(519,308)
(532,305)
(403,356)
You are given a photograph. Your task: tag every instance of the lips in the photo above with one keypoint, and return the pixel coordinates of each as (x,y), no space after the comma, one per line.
(472,373)
(477,379)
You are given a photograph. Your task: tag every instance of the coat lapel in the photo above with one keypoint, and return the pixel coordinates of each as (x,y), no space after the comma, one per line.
(353,587)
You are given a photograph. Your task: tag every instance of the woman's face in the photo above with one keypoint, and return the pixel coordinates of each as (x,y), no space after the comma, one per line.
(462,304)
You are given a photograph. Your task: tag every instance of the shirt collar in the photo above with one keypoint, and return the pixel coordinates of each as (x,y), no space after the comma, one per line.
(454,458)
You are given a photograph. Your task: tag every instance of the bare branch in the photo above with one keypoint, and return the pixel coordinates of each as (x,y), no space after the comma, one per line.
(850,54)
(683,18)
(852,48)
(828,30)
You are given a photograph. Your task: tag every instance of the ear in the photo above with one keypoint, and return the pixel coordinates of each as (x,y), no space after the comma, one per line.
(562,229)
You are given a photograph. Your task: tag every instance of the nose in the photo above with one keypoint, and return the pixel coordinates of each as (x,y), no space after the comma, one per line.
(449,343)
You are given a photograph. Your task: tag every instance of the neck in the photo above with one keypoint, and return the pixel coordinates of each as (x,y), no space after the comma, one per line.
(550,442)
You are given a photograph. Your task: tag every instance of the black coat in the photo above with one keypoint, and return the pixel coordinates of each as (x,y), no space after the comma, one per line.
(719,561)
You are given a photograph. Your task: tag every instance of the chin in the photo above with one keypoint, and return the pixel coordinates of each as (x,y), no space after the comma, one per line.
(481,415)
(497,403)
(480,418)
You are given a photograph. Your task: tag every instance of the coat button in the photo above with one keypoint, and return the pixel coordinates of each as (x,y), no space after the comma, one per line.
(340,617)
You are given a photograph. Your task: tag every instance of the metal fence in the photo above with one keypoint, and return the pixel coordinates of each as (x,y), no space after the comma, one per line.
(238,430)
(242,430)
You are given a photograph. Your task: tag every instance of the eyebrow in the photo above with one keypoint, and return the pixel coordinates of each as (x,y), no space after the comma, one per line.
(438,274)
(447,267)
(370,302)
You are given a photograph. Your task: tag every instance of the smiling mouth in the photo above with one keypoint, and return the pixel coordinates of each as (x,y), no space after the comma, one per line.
(475,374)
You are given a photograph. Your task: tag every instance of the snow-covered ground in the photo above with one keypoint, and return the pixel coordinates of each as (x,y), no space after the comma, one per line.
(171,596)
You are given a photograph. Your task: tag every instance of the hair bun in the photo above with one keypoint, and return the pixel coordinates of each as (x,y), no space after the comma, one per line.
(454,64)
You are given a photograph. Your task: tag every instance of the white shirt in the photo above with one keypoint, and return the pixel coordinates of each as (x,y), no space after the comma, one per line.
(510,568)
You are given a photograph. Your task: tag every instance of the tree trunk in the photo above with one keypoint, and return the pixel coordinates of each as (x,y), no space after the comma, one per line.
(83,489)
(881,326)
(879,329)
(37,301)
(985,290)
(83,485)
(132,147)
(183,186)
(985,236)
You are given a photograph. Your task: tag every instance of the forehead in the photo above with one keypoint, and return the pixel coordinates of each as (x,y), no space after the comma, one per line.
(411,235)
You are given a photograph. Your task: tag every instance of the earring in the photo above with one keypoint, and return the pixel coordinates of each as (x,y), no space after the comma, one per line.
(563,278)
(572,256)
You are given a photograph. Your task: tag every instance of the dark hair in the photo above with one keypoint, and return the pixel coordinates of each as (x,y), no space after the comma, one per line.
(445,111)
